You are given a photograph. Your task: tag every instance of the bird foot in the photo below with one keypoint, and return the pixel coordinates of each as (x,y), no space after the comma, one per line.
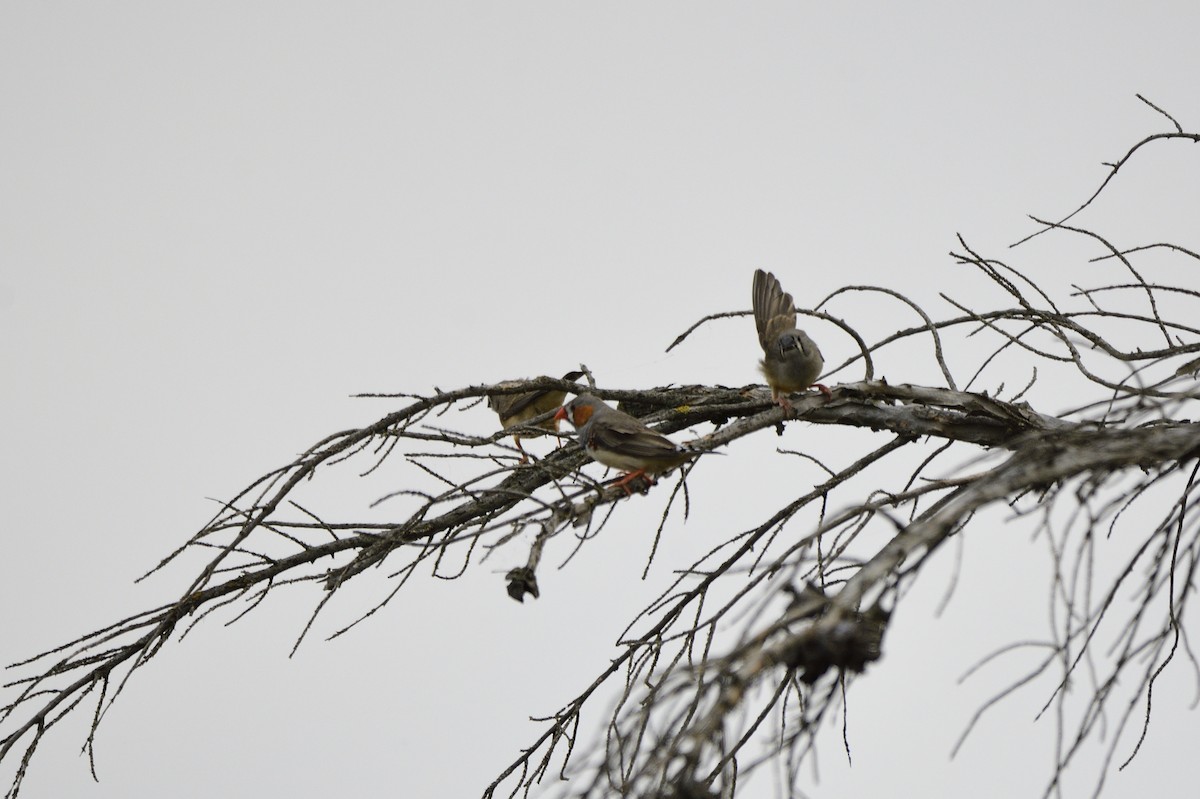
(625,480)
(783,402)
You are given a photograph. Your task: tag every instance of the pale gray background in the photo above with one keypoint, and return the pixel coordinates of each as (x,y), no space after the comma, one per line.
(218,220)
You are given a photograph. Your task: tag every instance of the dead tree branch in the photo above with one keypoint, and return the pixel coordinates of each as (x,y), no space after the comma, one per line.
(1079,420)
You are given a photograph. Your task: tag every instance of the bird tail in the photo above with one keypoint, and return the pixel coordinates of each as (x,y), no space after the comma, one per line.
(692,449)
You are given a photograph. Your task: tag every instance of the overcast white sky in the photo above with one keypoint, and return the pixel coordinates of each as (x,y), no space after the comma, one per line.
(219,220)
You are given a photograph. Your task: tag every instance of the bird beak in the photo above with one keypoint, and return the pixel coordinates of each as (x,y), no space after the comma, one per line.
(562,414)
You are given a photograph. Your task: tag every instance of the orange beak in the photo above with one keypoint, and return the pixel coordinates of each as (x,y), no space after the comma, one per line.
(562,414)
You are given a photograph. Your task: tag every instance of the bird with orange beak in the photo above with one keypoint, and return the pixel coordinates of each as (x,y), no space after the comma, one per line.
(791,360)
(620,441)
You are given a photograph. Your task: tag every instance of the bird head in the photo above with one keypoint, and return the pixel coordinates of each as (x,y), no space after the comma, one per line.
(578,411)
(790,342)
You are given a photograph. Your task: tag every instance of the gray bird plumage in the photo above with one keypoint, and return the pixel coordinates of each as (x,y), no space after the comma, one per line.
(620,441)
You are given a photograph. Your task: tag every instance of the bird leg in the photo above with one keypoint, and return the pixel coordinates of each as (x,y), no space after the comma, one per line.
(783,402)
(524,454)
(629,477)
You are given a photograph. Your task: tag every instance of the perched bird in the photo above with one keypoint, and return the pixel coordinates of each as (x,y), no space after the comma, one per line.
(517,409)
(620,441)
(791,360)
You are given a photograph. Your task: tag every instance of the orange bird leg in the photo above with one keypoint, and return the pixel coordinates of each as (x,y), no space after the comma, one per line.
(524,455)
(783,402)
(626,479)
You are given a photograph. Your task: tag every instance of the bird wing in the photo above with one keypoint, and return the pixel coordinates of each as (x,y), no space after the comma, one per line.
(542,401)
(630,437)
(507,405)
(503,404)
